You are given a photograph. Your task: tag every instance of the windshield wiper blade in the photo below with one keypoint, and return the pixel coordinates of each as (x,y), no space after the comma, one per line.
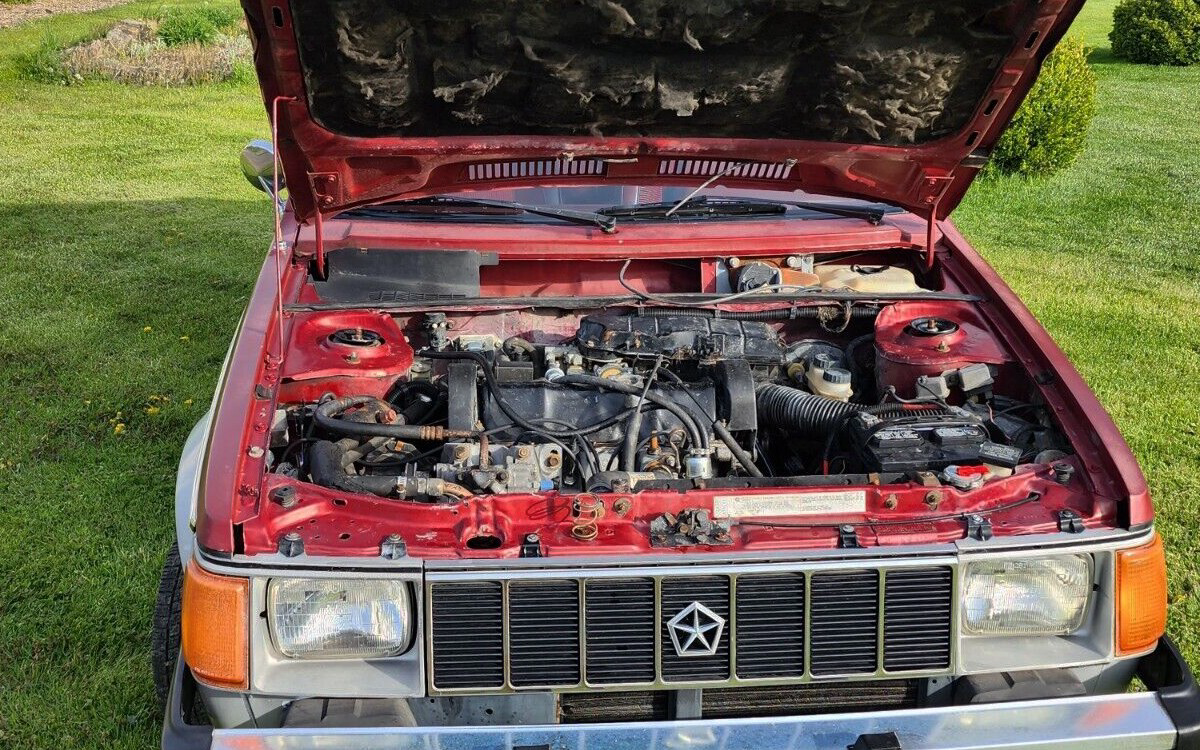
(697,207)
(704,206)
(448,204)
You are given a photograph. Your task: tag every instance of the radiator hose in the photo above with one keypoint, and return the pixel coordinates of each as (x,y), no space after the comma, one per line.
(330,466)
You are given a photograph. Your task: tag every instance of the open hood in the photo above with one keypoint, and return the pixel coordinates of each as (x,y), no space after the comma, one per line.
(891,100)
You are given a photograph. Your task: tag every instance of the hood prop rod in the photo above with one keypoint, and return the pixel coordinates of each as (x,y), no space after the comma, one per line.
(277,210)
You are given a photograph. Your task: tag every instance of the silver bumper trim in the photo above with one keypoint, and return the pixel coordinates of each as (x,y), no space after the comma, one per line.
(1132,721)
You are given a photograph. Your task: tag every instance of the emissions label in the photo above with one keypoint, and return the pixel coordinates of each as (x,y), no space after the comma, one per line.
(790,504)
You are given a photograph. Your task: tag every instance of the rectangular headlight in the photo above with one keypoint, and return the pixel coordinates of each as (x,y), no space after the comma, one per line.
(332,618)
(1026,596)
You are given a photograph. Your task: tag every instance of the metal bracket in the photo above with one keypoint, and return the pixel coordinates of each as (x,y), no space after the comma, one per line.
(1069,522)
(393,547)
(877,741)
(848,537)
(978,527)
(531,546)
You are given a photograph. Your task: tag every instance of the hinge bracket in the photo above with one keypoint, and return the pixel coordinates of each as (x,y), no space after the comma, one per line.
(978,527)
(1069,522)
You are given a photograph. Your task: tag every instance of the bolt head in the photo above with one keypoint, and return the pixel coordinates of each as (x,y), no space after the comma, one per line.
(285,496)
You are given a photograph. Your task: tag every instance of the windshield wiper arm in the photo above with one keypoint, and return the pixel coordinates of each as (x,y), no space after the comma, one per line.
(696,207)
(704,206)
(446,204)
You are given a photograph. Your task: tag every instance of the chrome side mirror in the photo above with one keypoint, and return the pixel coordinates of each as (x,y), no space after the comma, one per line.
(258,165)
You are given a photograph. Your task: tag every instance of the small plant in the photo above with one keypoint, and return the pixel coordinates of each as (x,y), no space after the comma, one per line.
(196,25)
(1048,131)
(1157,32)
(43,64)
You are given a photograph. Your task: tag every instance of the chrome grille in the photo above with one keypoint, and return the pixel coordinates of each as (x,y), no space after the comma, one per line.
(609,631)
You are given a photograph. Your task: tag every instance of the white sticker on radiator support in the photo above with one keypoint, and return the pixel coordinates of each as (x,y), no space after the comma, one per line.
(790,504)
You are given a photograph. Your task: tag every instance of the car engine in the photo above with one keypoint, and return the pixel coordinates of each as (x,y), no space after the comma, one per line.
(674,398)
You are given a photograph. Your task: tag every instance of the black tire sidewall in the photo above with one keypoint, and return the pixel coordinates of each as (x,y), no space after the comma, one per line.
(168,614)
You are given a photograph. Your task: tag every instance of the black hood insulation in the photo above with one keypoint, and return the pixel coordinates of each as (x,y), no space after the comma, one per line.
(890,72)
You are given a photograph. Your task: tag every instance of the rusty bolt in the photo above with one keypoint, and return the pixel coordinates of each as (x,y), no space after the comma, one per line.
(622,506)
(254,452)
(943,347)
(352,358)
(552,460)
(890,502)
(734,262)
(523,452)
(285,496)
(461,452)
(933,499)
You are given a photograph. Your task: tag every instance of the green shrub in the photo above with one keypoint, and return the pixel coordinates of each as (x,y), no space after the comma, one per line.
(1157,32)
(195,25)
(43,63)
(1048,131)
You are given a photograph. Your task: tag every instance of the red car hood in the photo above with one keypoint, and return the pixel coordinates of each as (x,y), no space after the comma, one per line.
(891,100)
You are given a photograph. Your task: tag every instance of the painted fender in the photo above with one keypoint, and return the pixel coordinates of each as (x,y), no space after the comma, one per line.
(187,486)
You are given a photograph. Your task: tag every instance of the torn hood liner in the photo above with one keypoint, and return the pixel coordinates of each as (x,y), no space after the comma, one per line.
(891,100)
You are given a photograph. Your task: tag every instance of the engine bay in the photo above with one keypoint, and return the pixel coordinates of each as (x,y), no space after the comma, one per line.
(440,406)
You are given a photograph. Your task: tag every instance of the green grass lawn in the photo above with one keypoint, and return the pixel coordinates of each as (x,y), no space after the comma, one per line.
(129,241)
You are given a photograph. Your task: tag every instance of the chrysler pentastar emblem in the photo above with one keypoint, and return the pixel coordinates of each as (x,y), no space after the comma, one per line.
(696,630)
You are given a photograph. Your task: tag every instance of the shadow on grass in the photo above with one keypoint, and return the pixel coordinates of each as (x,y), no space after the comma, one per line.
(1102,55)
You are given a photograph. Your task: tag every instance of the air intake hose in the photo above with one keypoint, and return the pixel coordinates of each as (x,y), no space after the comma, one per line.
(799,411)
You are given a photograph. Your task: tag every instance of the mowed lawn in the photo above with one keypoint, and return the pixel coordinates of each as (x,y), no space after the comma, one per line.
(128,243)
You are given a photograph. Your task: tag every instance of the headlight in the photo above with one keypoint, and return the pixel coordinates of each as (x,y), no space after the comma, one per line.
(336,618)
(1039,596)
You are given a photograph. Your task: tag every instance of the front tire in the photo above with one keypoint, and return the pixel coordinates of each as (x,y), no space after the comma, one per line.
(168,618)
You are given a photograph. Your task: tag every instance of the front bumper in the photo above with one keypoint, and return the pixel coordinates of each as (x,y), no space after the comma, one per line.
(1166,716)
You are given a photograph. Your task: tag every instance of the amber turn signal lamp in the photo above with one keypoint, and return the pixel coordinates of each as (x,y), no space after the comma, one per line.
(1141,597)
(214,627)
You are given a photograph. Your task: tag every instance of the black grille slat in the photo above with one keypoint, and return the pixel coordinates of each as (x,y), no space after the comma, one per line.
(770,625)
(678,593)
(620,630)
(765,611)
(916,619)
(543,635)
(468,634)
(808,700)
(844,630)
